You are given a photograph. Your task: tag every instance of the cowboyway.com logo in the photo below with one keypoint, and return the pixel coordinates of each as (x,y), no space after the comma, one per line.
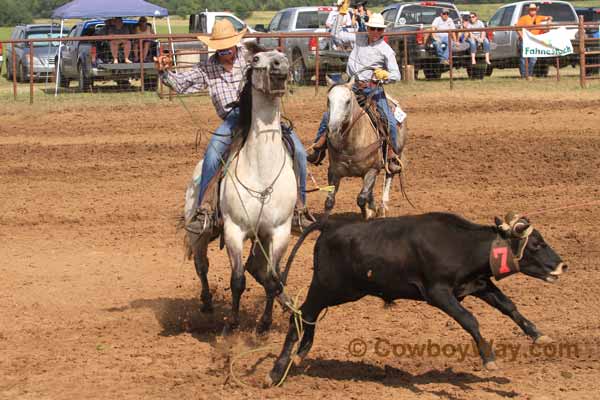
(533,51)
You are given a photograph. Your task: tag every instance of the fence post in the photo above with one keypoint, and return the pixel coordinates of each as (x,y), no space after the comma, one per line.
(173,58)
(30,72)
(317,59)
(141,60)
(450,61)
(557,69)
(581,53)
(280,44)
(14,69)
(405,58)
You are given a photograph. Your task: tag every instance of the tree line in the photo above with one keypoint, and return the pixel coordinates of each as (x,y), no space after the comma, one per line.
(24,11)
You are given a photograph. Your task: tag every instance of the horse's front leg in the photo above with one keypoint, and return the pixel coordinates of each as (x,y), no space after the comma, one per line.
(365,197)
(234,239)
(385,197)
(332,180)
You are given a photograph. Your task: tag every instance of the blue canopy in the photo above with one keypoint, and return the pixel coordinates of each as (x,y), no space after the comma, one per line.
(108,8)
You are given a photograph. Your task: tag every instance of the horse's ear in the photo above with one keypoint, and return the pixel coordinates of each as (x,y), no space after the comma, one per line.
(330,82)
(254,48)
(350,82)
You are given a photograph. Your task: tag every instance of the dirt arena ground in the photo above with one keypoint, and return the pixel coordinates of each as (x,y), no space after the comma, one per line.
(97,302)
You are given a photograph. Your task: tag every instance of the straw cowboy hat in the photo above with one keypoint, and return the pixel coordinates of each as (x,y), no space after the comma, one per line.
(376,21)
(223,36)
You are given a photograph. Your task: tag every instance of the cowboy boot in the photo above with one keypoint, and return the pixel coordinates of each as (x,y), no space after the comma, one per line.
(394,163)
(302,219)
(319,151)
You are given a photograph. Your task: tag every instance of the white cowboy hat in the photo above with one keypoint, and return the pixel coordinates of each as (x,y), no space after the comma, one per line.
(223,36)
(376,21)
(533,6)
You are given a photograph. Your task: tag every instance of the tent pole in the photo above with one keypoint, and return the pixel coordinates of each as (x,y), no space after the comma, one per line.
(57,66)
(171,41)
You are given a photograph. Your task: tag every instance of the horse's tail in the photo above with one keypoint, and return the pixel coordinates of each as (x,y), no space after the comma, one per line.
(315,226)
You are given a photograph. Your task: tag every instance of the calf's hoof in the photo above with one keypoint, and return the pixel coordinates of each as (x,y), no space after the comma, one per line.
(229,329)
(491,366)
(543,339)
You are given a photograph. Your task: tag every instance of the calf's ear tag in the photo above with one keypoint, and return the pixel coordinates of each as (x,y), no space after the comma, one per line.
(502,260)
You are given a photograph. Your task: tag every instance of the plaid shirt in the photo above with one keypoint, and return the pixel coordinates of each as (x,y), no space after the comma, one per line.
(223,86)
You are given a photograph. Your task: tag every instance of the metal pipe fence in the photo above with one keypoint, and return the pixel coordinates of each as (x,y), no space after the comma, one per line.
(312,55)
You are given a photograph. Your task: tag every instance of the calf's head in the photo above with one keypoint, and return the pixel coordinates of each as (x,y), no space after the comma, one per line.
(536,258)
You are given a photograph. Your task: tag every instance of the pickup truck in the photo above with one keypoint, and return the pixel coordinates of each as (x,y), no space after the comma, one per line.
(87,62)
(506,54)
(591,14)
(301,51)
(202,23)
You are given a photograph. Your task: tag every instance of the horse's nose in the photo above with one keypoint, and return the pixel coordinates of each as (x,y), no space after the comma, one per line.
(276,63)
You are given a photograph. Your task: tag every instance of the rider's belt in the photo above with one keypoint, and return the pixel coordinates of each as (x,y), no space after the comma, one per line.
(366,84)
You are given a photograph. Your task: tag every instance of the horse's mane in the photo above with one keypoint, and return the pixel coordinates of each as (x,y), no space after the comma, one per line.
(242,127)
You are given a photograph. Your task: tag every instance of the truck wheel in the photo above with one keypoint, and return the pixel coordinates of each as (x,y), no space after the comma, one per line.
(541,71)
(476,71)
(123,84)
(489,70)
(21,73)
(64,82)
(432,72)
(85,82)
(9,74)
(298,69)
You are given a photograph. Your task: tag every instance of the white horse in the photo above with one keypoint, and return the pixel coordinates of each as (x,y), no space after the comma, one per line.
(258,192)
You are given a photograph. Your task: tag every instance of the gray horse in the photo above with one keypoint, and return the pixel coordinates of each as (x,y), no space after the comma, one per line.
(355,149)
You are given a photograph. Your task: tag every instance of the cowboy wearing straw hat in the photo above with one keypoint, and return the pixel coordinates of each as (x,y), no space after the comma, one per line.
(371,61)
(223,76)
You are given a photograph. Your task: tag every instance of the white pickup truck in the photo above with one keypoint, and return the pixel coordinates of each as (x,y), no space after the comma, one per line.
(203,23)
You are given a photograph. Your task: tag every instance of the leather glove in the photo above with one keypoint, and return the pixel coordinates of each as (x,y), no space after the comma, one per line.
(381,75)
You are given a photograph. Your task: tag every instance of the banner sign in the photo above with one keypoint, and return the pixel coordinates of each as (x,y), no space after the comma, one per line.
(554,43)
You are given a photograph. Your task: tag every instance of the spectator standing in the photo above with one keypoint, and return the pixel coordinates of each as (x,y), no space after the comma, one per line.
(532,18)
(143,28)
(477,38)
(118,28)
(440,40)
(361,16)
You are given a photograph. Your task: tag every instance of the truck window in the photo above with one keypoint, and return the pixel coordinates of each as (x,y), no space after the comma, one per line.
(284,24)
(496,18)
(311,19)
(236,24)
(560,12)
(507,17)
(389,16)
(420,14)
(275,22)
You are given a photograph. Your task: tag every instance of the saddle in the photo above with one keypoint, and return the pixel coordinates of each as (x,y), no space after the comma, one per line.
(211,196)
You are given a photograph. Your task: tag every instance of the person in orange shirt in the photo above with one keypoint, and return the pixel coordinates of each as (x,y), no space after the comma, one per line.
(532,18)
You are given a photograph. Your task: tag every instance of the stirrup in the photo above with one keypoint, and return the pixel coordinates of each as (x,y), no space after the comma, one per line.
(394,164)
(317,156)
(302,219)
(202,221)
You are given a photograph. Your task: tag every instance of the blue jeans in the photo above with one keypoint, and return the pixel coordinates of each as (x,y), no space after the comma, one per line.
(383,108)
(219,144)
(473,44)
(441,47)
(531,62)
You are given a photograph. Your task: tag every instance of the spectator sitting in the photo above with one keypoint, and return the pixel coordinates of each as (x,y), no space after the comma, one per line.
(463,23)
(532,18)
(345,22)
(476,38)
(118,28)
(440,40)
(142,28)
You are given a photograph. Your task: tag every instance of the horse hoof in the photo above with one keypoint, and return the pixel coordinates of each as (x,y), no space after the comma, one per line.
(228,330)
(491,366)
(369,214)
(262,330)
(543,339)
(381,211)
(268,381)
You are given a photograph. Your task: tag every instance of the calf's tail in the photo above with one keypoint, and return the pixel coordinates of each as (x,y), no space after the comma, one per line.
(315,226)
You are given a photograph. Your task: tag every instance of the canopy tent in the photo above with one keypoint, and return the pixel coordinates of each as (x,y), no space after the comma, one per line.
(108,8)
(84,9)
